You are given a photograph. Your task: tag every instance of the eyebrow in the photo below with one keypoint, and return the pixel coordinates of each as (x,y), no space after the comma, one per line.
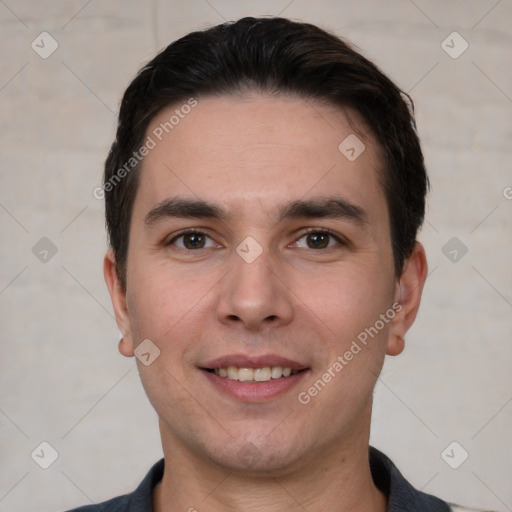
(330,207)
(184,208)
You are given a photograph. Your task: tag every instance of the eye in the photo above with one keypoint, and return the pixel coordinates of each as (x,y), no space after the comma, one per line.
(191,240)
(318,240)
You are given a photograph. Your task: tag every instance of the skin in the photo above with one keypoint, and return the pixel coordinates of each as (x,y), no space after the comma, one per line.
(251,155)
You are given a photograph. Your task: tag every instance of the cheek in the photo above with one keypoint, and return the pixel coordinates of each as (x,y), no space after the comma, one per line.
(166,308)
(161,304)
(353,349)
(348,303)
(346,300)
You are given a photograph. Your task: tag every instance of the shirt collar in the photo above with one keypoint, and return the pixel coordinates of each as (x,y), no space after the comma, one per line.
(402,497)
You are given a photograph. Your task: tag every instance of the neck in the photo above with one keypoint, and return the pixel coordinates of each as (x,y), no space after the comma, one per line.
(339,478)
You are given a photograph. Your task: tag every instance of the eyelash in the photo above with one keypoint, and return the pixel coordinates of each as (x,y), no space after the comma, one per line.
(184,233)
(340,240)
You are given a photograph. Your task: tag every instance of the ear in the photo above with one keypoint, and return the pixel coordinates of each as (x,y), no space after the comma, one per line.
(409,288)
(118,297)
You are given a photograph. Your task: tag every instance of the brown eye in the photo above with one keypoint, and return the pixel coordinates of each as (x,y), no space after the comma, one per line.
(318,240)
(192,240)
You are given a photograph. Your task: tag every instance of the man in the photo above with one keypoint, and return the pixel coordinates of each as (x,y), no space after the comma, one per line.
(263,197)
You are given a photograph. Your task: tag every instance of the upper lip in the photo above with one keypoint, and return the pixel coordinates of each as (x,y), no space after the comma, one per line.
(243,361)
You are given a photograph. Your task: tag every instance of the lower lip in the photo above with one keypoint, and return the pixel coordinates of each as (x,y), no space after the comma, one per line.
(255,391)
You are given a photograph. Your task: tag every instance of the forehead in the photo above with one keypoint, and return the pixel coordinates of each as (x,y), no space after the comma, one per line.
(256,151)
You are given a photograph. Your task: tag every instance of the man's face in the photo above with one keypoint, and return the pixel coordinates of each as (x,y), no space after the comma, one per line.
(289,260)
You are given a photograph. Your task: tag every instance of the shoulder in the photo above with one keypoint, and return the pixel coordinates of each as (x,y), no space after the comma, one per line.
(401,494)
(119,504)
(140,500)
(460,508)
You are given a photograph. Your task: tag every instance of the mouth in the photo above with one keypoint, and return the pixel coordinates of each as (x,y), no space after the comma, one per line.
(254,379)
(263,374)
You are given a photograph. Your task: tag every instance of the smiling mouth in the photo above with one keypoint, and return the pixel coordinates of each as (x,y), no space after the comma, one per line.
(263,374)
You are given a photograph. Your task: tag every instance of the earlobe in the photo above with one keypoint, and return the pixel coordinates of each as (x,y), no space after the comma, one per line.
(396,344)
(125,348)
(408,295)
(118,298)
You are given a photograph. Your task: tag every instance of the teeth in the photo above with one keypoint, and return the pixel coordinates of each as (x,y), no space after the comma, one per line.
(262,374)
(232,373)
(254,374)
(276,372)
(245,374)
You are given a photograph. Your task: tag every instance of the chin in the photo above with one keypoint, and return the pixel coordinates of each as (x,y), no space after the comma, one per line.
(257,462)
(258,455)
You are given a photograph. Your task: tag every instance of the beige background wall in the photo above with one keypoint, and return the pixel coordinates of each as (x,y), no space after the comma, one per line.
(61,378)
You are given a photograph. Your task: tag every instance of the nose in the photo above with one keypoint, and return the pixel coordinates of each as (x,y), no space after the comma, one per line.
(255,295)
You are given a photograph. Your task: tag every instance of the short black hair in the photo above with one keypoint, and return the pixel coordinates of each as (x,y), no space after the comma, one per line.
(276,56)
